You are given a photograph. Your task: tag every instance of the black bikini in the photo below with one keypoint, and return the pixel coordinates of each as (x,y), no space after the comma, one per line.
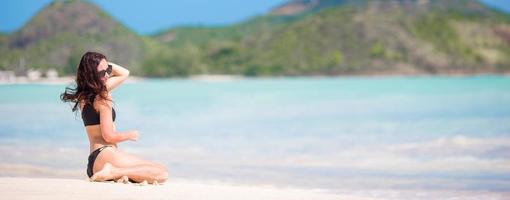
(91,117)
(92,159)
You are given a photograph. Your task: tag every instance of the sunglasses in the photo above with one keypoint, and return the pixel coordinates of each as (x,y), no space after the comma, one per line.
(108,71)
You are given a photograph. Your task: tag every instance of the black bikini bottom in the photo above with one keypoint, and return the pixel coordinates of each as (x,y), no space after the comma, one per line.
(92,159)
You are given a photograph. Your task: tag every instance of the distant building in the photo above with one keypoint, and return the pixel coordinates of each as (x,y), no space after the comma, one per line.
(7,76)
(33,75)
(51,74)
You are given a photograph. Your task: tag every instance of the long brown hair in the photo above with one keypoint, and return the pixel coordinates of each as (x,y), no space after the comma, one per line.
(88,83)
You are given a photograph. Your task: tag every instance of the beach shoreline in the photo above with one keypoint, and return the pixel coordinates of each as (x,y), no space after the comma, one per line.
(226,77)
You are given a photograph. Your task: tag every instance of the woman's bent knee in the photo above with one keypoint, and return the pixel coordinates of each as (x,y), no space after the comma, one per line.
(162,176)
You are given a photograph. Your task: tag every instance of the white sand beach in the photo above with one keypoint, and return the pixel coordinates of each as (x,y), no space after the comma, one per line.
(51,188)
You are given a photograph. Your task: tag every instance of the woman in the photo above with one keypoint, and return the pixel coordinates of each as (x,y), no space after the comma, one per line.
(95,79)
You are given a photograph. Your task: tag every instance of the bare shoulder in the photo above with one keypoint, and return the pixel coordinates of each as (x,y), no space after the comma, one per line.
(101,103)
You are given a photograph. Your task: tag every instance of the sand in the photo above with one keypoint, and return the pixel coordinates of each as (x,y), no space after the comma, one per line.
(51,188)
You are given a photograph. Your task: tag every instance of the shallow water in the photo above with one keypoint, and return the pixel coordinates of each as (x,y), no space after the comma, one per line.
(375,136)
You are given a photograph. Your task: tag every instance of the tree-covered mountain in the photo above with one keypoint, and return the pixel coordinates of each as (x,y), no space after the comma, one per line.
(363,37)
(59,34)
(294,7)
(301,37)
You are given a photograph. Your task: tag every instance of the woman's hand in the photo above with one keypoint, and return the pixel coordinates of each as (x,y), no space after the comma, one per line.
(119,75)
(133,135)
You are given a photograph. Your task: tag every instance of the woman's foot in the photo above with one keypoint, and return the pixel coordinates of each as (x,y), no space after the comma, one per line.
(103,174)
(123,179)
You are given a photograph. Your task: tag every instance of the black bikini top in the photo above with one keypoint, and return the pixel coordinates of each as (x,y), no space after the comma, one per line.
(90,116)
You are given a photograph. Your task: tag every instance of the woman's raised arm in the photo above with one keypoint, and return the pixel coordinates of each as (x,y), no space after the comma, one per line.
(119,75)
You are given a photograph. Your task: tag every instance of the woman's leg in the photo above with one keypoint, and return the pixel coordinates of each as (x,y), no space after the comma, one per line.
(138,173)
(124,159)
(112,163)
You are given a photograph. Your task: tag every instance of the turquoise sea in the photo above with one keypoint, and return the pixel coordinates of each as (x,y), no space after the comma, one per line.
(390,137)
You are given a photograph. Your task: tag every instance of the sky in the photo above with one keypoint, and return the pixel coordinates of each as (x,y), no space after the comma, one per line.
(150,16)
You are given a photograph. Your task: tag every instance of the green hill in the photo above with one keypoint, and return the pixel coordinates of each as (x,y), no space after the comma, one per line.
(301,37)
(60,33)
(366,37)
